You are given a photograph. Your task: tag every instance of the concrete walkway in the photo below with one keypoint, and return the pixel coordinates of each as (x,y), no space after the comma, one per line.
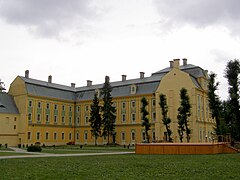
(61,155)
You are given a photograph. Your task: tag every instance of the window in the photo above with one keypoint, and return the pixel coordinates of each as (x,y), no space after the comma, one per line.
(55,119)
(14,127)
(133,117)
(70,136)
(199,102)
(78,120)
(86,119)
(39,104)
(153,102)
(123,136)
(38,136)
(78,109)
(46,136)
(123,117)
(153,136)
(38,117)
(55,106)
(70,108)
(154,116)
(47,118)
(63,108)
(29,103)
(29,117)
(29,135)
(70,120)
(15,118)
(133,104)
(63,136)
(133,136)
(133,89)
(77,136)
(55,136)
(143,136)
(85,135)
(63,119)
(86,108)
(48,105)
(123,105)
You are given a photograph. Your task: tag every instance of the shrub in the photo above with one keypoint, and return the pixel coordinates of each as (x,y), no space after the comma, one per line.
(34,148)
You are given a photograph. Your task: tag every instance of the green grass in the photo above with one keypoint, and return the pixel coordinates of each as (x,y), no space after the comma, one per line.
(85,149)
(223,166)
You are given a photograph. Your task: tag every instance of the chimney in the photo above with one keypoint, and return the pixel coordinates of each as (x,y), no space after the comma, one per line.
(184,61)
(73,85)
(89,83)
(142,75)
(124,77)
(176,63)
(50,79)
(27,74)
(171,64)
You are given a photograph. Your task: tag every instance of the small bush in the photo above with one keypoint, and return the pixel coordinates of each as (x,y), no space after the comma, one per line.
(34,148)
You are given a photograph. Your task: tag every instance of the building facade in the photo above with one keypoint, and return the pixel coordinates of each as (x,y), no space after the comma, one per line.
(55,114)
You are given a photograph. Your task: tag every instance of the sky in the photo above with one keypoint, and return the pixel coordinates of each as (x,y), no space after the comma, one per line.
(80,40)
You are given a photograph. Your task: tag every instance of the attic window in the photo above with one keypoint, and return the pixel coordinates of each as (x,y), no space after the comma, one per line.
(133,89)
(98,92)
(2,106)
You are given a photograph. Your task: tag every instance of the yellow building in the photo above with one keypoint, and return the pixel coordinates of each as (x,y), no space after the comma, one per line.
(56,114)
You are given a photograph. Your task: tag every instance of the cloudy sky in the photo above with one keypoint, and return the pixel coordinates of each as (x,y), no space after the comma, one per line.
(81,40)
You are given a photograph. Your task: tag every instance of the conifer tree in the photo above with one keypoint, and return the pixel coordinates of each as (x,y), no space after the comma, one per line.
(145,120)
(214,101)
(108,110)
(184,112)
(95,118)
(165,119)
(232,74)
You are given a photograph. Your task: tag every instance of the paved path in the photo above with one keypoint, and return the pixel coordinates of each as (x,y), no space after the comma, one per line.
(62,155)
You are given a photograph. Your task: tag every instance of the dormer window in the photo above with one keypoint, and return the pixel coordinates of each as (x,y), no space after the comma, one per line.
(133,89)
(97,91)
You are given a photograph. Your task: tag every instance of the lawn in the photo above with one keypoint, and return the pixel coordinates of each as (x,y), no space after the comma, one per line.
(131,166)
(85,149)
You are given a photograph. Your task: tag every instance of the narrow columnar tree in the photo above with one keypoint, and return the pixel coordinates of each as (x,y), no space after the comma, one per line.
(214,101)
(184,112)
(145,120)
(165,119)
(2,89)
(95,118)
(232,72)
(108,110)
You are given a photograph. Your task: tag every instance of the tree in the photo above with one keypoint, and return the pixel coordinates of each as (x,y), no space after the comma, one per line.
(214,101)
(166,120)
(2,89)
(145,120)
(184,112)
(95,118)
(232,72)
(108,110)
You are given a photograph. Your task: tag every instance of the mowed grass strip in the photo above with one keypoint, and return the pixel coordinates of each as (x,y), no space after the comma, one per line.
(222,166)
(86,149)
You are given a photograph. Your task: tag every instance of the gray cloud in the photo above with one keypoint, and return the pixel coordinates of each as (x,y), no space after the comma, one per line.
(201,13)
(47,17)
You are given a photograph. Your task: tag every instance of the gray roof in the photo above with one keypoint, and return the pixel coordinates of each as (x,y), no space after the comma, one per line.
(193,70)
(146,85)
(7,104)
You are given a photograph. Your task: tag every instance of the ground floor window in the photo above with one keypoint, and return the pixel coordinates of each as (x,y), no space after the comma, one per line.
(29,135)
(55,136)
(38,136)
(47,136)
